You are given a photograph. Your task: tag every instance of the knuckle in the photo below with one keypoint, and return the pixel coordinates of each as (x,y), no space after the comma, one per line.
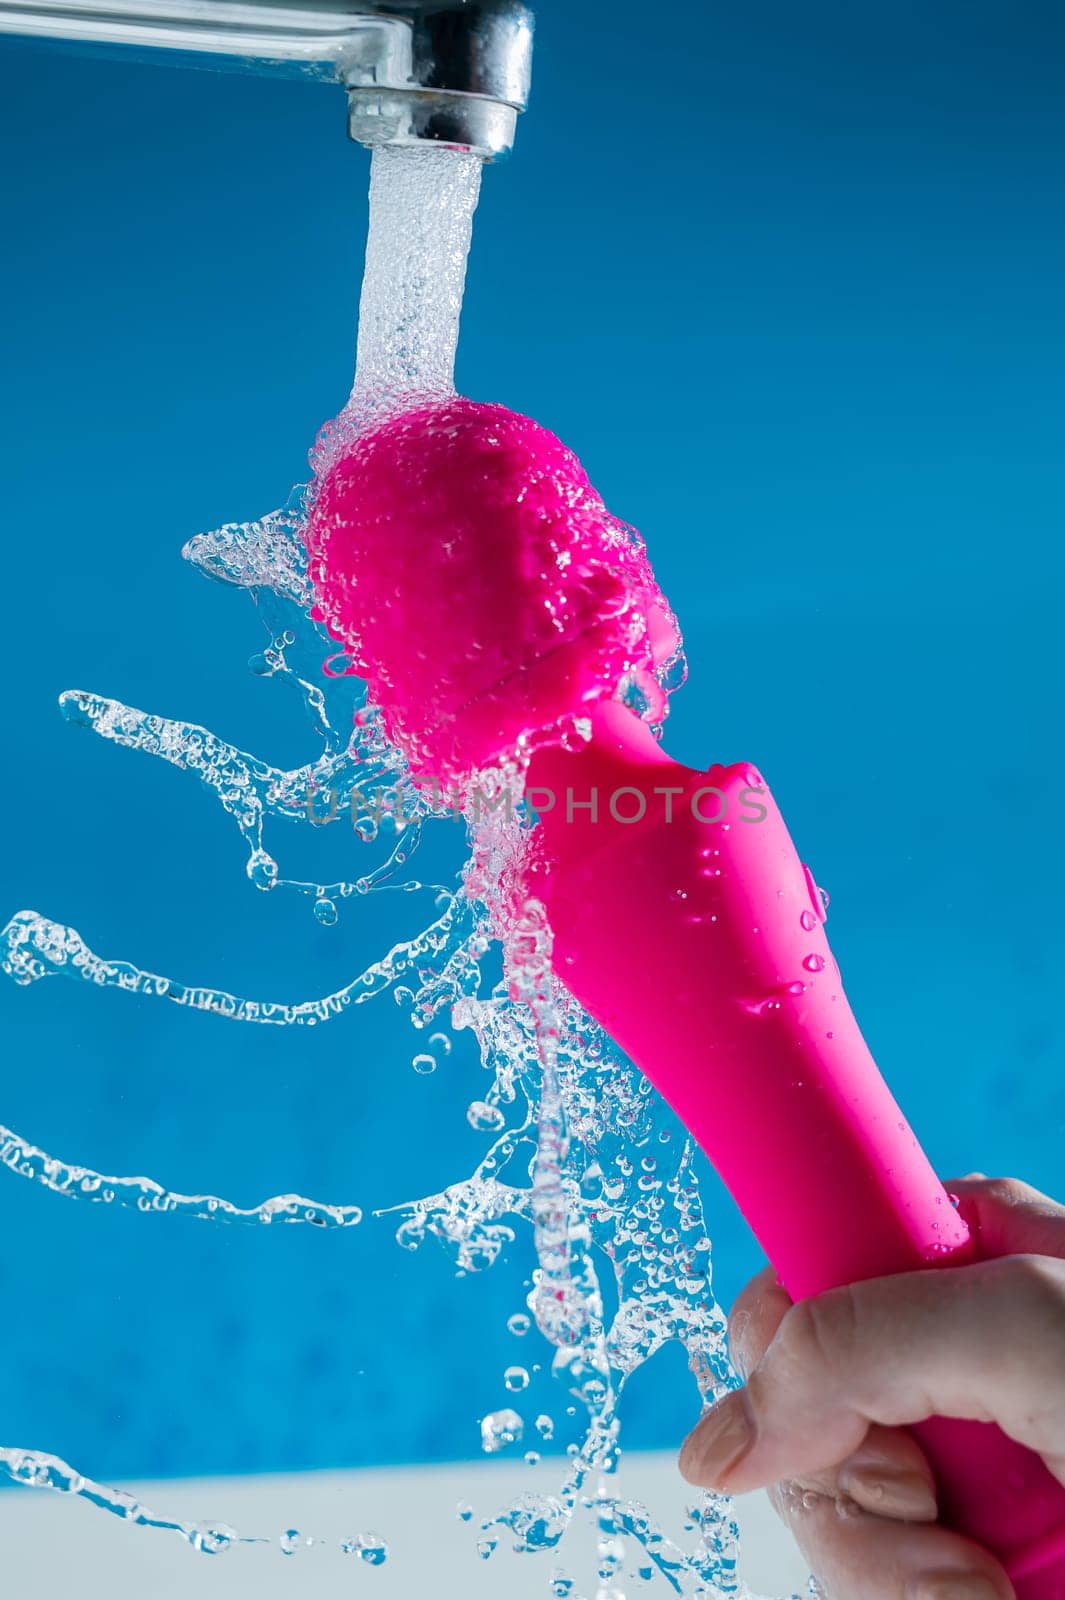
(1006,1191)
(821,1332)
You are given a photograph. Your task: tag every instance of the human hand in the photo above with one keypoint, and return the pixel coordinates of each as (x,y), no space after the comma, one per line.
(832,1382)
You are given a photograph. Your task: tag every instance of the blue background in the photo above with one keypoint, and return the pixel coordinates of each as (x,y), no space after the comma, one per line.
(791,285)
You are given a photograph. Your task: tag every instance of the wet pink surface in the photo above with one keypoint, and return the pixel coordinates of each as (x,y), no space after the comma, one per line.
(479,583)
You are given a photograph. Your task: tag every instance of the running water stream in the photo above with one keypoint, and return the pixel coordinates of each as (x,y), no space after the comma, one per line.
(583,1166)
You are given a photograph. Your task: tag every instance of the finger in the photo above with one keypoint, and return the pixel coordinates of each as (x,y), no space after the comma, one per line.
(1008,1217)
(981,1342)
(888,1473)
(757,1314)
(858,1556)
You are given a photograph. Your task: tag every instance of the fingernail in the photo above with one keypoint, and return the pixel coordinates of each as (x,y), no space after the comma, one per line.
(951,1586)
(724,1435)
(906,1496)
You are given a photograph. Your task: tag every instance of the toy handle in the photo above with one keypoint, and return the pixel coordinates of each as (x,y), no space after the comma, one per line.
(695,937)
(1000,1494)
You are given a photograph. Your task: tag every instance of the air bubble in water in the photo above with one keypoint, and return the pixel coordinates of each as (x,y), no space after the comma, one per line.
(516,1379)
(519,1324)
(545,1426)
(290,1541)
(325,911)
(424,1064)
(463,1511)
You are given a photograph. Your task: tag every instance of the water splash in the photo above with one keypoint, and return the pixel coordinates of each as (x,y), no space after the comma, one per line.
(36,1470)
(579,1163)
(575,1154)
(596,1191)
(144,1194)
(33,947)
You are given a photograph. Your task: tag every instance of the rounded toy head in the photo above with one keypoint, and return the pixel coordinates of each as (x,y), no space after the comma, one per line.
(480,585)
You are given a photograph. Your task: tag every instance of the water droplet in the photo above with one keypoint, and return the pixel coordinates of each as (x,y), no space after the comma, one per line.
(519,1324)
(485,1547)
(463,1511)
(814,963)
(483,1117)
(212,1541)
(326,912)
(807,921)
(369,1547)
(290,1541)
(262,869)
(516,1379)
(500,1429)
(532,1457)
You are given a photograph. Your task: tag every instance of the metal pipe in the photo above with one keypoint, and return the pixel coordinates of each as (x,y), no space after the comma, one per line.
(450,72)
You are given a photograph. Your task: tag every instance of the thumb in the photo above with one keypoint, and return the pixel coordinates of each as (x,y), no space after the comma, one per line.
(981,1342)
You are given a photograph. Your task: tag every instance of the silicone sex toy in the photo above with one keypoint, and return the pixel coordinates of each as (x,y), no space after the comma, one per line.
(485,593)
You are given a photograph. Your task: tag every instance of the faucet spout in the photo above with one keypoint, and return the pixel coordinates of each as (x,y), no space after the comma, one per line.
(449,72)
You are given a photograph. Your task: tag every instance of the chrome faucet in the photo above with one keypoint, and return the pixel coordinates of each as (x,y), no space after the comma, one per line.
(450,72)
